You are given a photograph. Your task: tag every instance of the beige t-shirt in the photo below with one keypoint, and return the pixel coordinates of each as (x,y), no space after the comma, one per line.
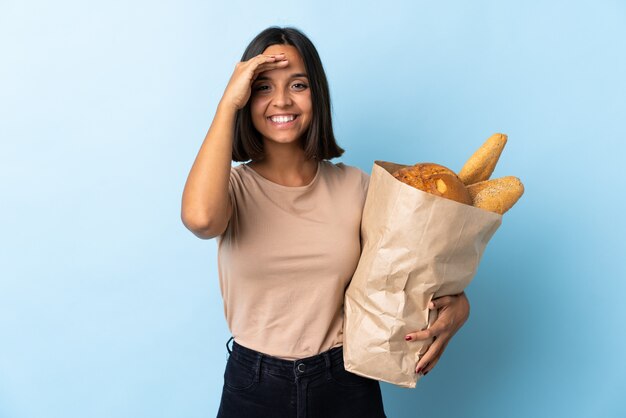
(287,256)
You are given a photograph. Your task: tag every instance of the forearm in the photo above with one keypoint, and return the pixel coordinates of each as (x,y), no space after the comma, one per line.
(205,199)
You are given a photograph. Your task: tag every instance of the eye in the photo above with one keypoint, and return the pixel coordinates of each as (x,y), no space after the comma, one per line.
(300,86)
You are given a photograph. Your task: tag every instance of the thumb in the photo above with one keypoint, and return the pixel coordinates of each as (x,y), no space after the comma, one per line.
(440,302)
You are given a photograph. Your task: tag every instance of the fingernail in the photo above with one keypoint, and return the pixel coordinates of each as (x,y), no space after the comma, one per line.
(408,337)
(418,370)
(431,305)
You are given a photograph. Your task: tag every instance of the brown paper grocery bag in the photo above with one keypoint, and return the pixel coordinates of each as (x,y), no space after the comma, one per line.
(416,247)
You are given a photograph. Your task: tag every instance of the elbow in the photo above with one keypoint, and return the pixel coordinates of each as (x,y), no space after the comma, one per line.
(202,228)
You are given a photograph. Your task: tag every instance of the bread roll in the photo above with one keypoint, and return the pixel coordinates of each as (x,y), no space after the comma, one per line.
(435,179)
(496,195)
(481,164)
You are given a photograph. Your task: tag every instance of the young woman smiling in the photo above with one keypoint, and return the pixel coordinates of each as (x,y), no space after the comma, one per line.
(288,230)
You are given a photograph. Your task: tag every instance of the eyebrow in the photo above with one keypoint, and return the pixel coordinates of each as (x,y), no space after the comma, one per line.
(262,77)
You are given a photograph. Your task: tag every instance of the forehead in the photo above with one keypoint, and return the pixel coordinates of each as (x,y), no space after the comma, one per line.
(291,53)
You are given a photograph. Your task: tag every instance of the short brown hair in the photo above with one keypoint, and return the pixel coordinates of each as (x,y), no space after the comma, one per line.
(319,141)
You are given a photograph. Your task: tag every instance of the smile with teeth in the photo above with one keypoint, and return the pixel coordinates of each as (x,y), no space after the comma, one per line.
(282,120)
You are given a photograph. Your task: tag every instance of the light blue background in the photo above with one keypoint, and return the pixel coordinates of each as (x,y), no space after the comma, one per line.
(109,307)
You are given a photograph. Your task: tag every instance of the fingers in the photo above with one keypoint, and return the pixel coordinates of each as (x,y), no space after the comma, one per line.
(265,66)
(449,317)
(441,302)
(446,322)
(428,361)
(269,59)
(264,57)
(239,88)
(262,63)
(440,326)
(262,60)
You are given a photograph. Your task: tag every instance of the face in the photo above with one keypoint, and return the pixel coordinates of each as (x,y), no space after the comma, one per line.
(282,91)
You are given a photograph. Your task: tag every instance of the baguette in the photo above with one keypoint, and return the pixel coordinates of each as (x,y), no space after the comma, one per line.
(481,164)
(496,195)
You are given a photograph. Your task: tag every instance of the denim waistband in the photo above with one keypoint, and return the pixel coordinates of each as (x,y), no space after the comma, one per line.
(300,367)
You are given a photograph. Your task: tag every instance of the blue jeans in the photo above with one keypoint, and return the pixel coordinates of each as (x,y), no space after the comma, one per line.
(257,385)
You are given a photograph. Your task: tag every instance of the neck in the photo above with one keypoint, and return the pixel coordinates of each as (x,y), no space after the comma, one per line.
(286,164)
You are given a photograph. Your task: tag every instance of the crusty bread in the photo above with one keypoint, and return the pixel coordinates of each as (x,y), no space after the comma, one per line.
(496,195)
(435,179)
(481,164)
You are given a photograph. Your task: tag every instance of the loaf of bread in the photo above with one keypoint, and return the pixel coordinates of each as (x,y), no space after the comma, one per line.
(496,195)
(435,179)
(481,164)
(472,185)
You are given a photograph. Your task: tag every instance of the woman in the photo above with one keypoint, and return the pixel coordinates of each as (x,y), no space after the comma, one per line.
(288,229)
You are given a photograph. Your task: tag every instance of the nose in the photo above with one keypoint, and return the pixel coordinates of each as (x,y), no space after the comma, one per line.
(282,97)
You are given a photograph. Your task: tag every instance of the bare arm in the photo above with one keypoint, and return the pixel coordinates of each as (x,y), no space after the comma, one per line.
(206,208)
